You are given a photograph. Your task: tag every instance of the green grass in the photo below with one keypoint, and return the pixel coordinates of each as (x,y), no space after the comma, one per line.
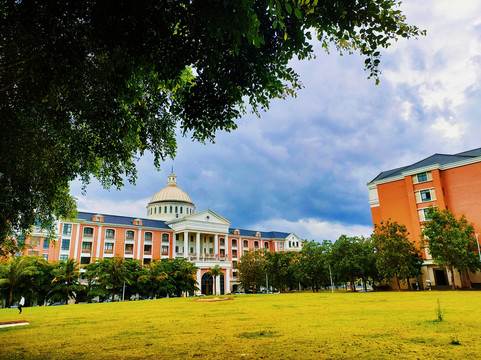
(401,325)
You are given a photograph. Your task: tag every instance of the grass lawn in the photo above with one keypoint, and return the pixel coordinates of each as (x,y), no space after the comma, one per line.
(399,325)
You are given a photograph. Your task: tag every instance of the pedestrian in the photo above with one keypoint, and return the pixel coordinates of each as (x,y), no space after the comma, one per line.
(20,304)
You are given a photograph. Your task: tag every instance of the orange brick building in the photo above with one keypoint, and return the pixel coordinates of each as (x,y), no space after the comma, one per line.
(445,181)
(172,229)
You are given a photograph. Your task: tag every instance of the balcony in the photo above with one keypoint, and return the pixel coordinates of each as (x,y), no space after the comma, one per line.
(148,252)
(109,251)
(165,253)
(129,252)
(87,250)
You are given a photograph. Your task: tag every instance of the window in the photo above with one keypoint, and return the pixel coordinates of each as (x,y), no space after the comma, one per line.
(234,253)
(165,209)
(67,229)
(65,244)
(266,245)
(222,242)
(45,256)
(281,246)
(148,236)
(423,214)
(425,195)
(160,209)
(84,260)
(63,257)
(165,250)
(129,248)
(422,177)
(148,249)
(211,240)
(171,209)
(165,237)
(289,244)
(155,210)
(256,244)
(110,233)
(147,262)
(86,246)
(191,249)
(88,232)
(129,235)
(181,209)
(109,246)
(176,210)
(46,244)
(234,242)
(35,241)
(246,243)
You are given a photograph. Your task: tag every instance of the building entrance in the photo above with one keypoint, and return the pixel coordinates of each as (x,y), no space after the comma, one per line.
(207,284)
(440,277)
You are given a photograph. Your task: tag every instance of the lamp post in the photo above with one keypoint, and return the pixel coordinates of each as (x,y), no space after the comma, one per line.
(330,275)
(477,242)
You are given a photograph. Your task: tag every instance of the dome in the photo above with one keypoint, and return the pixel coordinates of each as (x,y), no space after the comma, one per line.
(171,193)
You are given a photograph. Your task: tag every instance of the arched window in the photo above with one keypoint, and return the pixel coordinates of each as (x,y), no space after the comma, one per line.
(176,210)
(171,209)
(155,210)
(234,242)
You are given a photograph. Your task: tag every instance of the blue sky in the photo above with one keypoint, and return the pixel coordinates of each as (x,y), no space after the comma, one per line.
(304,165)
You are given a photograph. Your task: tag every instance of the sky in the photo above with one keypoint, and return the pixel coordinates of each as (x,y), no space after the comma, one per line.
(304,165)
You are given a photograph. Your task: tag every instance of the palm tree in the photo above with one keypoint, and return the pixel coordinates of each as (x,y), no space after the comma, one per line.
(153,274)
(67,276)
(13,271)
(185,273)
(215,271)
(113,272)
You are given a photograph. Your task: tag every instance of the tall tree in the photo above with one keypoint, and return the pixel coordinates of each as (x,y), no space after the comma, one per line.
(347,259)
(86,86)
(154,274)
(397,257)
(184,274)
(214,272)
(13,272)
(313,265)
(279,268)
(251,270)
(451,242)
(113,273)
(66,277)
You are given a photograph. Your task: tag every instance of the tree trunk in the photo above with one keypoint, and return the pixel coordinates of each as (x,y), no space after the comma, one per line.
(409,284)
(66,296)
(452,277)
(313,285)
(113,294)
(10,297)
(398,283)
(214,284)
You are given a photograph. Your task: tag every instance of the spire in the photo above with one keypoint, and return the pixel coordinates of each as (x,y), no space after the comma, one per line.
(172,180)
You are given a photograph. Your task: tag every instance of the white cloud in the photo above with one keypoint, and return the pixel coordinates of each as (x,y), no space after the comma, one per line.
(314,229)
(448,129)
(113,207)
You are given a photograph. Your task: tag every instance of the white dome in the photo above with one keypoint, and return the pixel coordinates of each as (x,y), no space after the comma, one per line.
(171,193)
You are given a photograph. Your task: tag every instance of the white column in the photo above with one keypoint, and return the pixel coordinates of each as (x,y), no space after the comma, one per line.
(139,239)
(227,251)
(186,245)
(216,246)
(197,245)
(227,281)
(99,240)
(217,285)
(77,239)
(199,282)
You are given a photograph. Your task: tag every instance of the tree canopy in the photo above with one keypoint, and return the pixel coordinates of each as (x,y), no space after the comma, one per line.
(88,86)
(451,242)
(396,256)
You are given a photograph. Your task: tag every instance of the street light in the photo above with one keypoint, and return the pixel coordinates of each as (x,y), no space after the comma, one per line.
(477,242)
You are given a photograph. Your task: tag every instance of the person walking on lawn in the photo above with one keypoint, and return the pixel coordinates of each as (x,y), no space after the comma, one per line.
(20,304)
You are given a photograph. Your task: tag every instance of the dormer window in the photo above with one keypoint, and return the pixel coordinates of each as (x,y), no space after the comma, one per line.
(236,232)
(258,234)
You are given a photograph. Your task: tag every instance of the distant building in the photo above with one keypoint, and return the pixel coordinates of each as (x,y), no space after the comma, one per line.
(172,229)
(445,181)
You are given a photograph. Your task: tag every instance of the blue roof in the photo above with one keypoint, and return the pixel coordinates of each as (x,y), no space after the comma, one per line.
(123,220)
(441,159)
(264,234)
